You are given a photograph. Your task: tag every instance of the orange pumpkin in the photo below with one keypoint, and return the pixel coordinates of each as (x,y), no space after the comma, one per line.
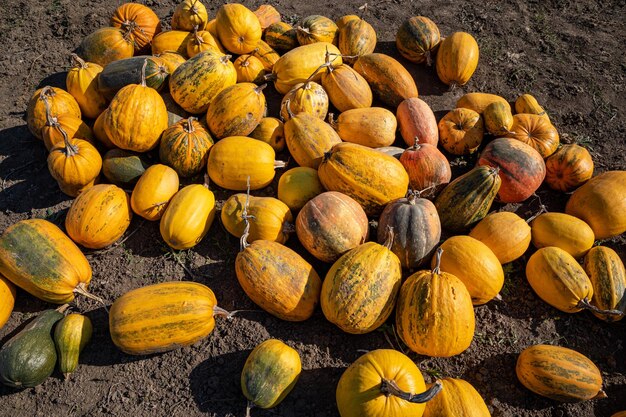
(141,22)
(74,127)
(107,45)
(82,84)
(267,15)
(457,59)
(461,131)
(568,168)
(346,88)
(154,190)
(536,131)
(238,28)
(249,69)
(189,15)
(356,38)
(428,169)
(417,122)
(185,147)
(417,39)
(317,28)
(60,102)
(390,81)
(200,42)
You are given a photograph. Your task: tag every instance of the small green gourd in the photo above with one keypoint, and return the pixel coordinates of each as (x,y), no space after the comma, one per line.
(28,358)
(71,335)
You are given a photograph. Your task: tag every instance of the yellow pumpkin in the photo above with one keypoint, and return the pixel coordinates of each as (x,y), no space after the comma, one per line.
(264,53)
(297,65)
(346,88)
(249,69)
(235,160)
(601,203)
(498,118)
(372,178)
(461,131)
(154,190)
(277,279)
(106,45)
(161,317)
(239,29)
(100,133)
(99,216)
(299,185)
(271,131)
(82,84)
(75,165)
(270,219)
(528,104)
(281,36)
(185,147)
(458,398)
(373,127)
(567,232)
(608,277)
(356,38)
(434,314)
(136,117)
(173,41)
(360,289)
(383,383)
(202,41)
(559,373)
(74,128)
(479,101)
(172,60)
(188,15)
(60,103)
(457,59)
(559,280)
(505,233)
(300,129)
(309,97)
(236,110)
(7,298)
(474,264)
(316,28)
(188,216)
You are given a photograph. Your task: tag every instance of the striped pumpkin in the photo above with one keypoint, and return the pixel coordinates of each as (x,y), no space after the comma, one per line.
(417,39)
(608,277)
(356,38)
(569,168)
(185,147)
(236,110)
(281,36)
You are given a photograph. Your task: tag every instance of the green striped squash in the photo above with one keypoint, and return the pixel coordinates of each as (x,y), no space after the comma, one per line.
(417,38)
(281,36)
(608,277)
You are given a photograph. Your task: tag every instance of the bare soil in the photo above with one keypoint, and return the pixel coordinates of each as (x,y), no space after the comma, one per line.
(569,54)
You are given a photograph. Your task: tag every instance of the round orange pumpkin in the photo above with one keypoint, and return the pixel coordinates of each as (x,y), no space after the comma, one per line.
(249,69)
(536,131)
(461,131)
(106,45)
(568,168)
(139,20)
(59,101)
(189,15)
(428,169)
(417,38)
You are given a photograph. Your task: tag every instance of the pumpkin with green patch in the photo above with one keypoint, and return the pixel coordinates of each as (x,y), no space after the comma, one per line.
(185,147)
(316,28)
(357,37)
(270,219)
(71,335)
(281,36)
(236,110)
(299,130)
(106,45)
(127,71)
(123,168)
(417,39)
(608,277)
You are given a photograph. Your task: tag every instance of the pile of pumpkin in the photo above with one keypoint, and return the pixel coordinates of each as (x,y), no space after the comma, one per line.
(211,115)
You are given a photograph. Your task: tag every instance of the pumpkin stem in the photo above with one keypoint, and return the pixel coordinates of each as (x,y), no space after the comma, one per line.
(189,124)
(207,180)
(198,39)
(78,62)
(63,308)
(82,290)
(219,311)
(249,407)
(389,387)
(225,59)
(279,164)
(243,241)
(194,8)
(270,77)
(143,72)
(542,209)
(245,62)
(50,120)
(324,65)
(585,304)
(260,88)
(70,149)
(416,143)
(601,394)
(363,10)
(331,121)
(453,86)
(429,59)
(437,268)
(287,105)
(390,235)
(412,195)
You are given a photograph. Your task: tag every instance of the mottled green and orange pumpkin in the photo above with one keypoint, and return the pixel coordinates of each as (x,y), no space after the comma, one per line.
(417,39)
(185,146)
(316,28)
(300,129)
(357,37)
(608,277)
(281,36)
(236,110)
(568,168)
(106,45)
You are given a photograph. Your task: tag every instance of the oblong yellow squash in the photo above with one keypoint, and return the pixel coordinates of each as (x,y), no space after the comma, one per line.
(391,83)
(278,280)
(162,317)
(236,110)
(99,216)
(526,103)
(458,398)
(188,216)
(172,41)
(601,203)
(297,65)
(371,178)
(608,277)
(308,138)
(474,264)
(360,289)
(457,58)
(235,160)
(346,88)
(373,127)
(271,131)
(39,258)
(271,218)
(559,280)
(154,190)
(238,28)
(567,232)
(298,185)
(559,373)
(505,233)
(479,101)
(7,300)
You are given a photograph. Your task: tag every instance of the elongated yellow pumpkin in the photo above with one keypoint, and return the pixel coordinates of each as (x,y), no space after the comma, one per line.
(239,29)
(270,219)
(82,84)
(236,110)
(346,88)
(567,232)
(162,317)
(299,185)
(559,280)
(188,216)
(71,334)
(559,373)
(479,101)
(154,190)
(278,280)
(474,264)
(39,258)
(234,160)
(434,314)
(373,127)
(608,277)
(308,138)
(457,58)
(371,178)
(458,398)
(505,233)
(7,300)
(99,216)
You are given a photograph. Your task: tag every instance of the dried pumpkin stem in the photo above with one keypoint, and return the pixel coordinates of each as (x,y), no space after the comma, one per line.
(542,209)
(243,241)
(390,236)
(82,290)
(249,407)
(70,149)
(197,37)
(50,119)
(585,304)
(429,59)
(78,61)
(143,72)
(224,60)
(189,124)
(412,195)
(437,268)
(207,181)
(287,105)
(259,89)
(389,387)
(331,121)
(62,309)
(279,164)
(416,143)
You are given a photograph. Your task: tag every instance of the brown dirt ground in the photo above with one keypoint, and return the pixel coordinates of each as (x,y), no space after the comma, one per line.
(569,54)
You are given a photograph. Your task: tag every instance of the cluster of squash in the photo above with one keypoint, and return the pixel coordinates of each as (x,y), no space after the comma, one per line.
(205,114)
